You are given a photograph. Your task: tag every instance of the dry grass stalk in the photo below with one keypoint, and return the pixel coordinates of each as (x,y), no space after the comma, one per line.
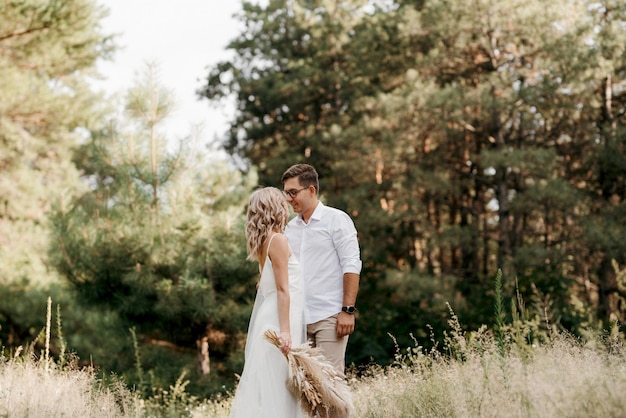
(47,344)
(312,379)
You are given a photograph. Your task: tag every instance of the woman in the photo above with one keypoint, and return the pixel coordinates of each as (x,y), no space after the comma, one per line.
(279,305)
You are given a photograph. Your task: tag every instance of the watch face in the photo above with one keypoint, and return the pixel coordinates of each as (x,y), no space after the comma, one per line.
(349,309)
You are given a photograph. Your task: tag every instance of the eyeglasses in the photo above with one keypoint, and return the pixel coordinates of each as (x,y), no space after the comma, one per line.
(293,193)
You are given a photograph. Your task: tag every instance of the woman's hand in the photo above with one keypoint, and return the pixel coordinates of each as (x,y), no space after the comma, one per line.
(285,342)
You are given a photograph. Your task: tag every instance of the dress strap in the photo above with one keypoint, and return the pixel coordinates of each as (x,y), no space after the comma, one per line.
(267,252)
(270,243)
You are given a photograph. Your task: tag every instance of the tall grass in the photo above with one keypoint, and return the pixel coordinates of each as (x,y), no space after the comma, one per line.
(562,378)
(484,373)
(34,385)
(27,389)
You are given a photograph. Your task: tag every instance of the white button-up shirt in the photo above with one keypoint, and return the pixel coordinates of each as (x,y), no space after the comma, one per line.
(326,247)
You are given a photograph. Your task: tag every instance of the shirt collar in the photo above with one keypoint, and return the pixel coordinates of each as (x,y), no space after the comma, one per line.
(317,213)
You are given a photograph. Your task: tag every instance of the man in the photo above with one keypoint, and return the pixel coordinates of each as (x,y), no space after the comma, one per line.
(324,240)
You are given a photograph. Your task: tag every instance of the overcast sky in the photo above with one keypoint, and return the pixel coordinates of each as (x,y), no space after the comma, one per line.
(183,37)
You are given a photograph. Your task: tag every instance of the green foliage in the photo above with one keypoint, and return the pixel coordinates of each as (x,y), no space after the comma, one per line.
(462,140)
(21,323)
(403,303)
(48,51)
(173,402)
(158,242)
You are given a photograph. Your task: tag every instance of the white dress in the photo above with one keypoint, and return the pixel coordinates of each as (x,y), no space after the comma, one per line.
(262,389)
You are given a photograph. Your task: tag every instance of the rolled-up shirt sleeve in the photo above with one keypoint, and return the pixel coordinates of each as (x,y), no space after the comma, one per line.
(347,245)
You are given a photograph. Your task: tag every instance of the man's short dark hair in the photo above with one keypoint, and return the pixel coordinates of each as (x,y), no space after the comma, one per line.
(306,174)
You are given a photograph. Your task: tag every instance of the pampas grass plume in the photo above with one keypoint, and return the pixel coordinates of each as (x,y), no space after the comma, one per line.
(314,381)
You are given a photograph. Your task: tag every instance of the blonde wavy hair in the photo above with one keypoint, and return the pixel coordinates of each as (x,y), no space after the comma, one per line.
(267,211)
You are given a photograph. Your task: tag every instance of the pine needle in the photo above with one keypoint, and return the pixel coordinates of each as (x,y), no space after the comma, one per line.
(313,380)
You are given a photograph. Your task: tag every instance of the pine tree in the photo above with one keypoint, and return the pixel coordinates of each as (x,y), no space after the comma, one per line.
(48,52)
(463,140)
(158,239)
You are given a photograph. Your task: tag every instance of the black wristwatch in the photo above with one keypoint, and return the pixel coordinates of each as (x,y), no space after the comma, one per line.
(349,309)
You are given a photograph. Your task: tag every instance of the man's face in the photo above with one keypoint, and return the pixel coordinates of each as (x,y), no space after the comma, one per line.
(298,197)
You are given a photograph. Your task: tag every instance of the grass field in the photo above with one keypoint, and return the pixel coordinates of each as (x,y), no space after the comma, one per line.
(563,377)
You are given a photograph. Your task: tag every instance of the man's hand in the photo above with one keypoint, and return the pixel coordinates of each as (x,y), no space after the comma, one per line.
(345,324)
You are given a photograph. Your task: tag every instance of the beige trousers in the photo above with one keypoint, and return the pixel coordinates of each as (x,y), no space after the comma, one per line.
(323,334)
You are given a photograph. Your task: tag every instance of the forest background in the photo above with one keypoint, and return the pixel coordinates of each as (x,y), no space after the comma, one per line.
(462,140)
